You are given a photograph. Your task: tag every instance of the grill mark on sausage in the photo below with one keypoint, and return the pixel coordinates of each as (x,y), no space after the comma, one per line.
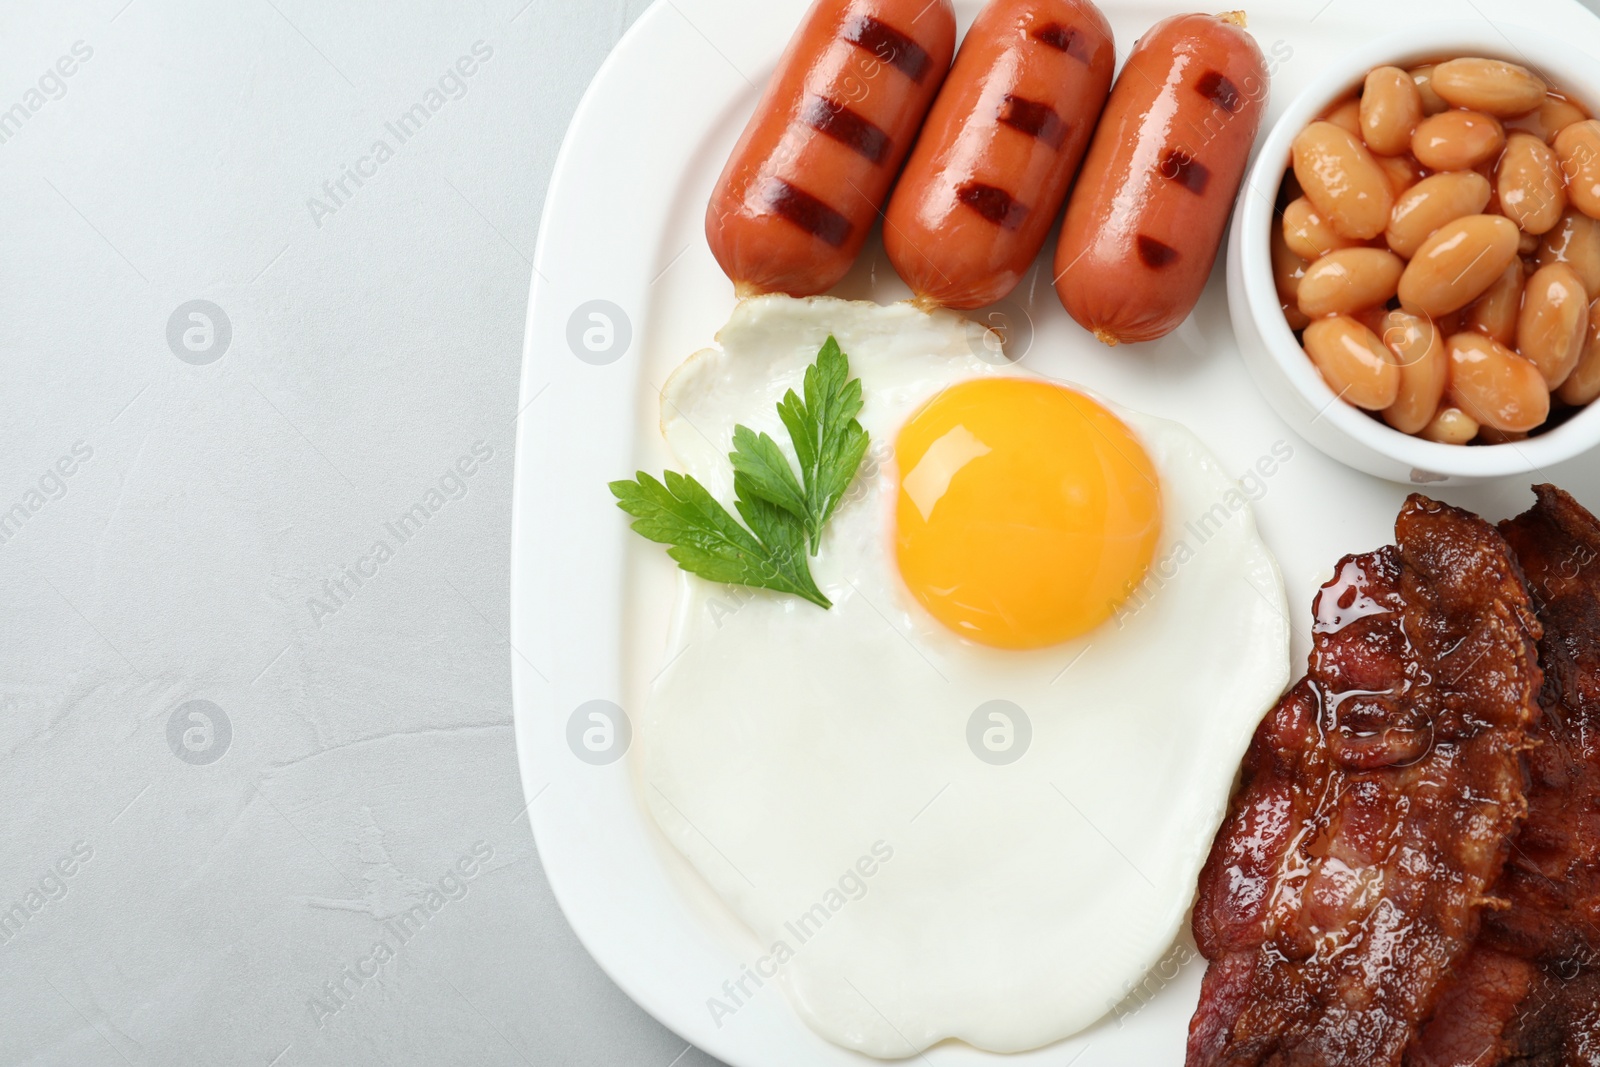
(889,45)
(1179,166)
(1155,254)
(1034,119)
(1220,91)
(993,203)
(806,211)
(1063,39)
(833,119)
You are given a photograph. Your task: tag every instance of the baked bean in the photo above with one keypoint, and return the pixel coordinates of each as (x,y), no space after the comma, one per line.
(1353,362)
(1343,180)
(1494,314)
(1432,202)
(1432,102)
(1494,385)
(1390,109)
(1491,436)
(1493,206)
(1457,140)
(1345,281)
(1372,318)
(1450,426)
(1287,270)
(1491,86)
(1424,369)
(1554,322)
(1346,115)
(1308,232)
(1454,322)
(1454,266)
(1528,183)
(1575,241)
(1578,147)
(1550,118)
(1583,384)
(1527,244)
(1403,171)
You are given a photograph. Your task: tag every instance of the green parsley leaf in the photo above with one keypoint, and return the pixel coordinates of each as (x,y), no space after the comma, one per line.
(766,473)
(784,514)
(707,541)
(783,536)
(827,439)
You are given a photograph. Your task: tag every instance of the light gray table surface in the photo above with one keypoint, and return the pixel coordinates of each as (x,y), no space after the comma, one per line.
(254,686)
(197,910)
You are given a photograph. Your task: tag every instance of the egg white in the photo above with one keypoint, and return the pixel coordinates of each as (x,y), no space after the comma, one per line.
(787,751)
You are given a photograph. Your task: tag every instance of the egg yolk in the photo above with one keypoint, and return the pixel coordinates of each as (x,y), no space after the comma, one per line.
(1026,513)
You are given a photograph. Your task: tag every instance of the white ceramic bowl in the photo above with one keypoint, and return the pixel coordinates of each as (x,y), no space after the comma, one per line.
(1280,367)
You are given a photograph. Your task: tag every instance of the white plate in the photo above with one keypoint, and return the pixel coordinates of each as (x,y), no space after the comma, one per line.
(590,601)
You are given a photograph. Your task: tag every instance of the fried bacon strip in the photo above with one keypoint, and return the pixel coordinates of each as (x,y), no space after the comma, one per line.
(1530,991)
(1476,1012)
(1377,804)
(1559,1024)
(1553,877)
(1505,1011)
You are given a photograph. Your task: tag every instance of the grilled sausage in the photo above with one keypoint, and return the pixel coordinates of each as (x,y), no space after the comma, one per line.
(1147,215)
(1004,138)
(806,180)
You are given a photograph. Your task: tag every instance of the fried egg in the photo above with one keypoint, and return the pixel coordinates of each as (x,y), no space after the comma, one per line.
(970,800)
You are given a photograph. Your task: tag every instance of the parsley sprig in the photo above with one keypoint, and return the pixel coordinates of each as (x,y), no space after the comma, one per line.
(783,513)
